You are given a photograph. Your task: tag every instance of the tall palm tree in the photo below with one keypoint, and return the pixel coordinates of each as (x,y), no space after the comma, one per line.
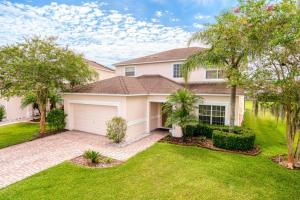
(228,50)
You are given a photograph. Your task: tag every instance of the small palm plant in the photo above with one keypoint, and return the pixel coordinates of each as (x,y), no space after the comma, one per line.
(93,156)
(180,107)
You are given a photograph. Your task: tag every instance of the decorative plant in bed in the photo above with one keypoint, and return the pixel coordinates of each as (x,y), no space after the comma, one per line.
(240,140)
(95,160)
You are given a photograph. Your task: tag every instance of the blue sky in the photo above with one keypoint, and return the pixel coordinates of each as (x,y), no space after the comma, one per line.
(109,31)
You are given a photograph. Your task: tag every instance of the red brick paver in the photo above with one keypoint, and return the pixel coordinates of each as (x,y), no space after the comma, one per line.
(23,160)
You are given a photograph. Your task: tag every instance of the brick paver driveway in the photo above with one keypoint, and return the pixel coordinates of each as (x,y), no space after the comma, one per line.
(23,160)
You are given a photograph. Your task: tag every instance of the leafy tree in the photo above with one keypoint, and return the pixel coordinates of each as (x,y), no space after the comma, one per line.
(278,65)
(180,107)
(41,67)
(228,49)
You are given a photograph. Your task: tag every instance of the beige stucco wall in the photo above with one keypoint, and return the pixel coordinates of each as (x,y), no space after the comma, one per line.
(142,113)
(13,109)
(136,116)
(166,70)
(132,109)
(103,74)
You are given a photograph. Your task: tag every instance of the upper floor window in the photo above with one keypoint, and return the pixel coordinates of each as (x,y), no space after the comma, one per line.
(215,74)
(130,71)
(177,71)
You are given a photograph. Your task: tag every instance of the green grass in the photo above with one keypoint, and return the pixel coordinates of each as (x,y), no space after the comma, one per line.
(17,133)
(166,171)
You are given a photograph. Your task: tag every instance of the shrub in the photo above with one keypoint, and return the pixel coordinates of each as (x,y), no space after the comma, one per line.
(108,160)
(2,112)
(93,156)
(56,119)
(242,139)
(116,129)
(203,130)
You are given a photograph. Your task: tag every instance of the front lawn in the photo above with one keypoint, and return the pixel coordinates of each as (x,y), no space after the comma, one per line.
(167,171)
(17,133)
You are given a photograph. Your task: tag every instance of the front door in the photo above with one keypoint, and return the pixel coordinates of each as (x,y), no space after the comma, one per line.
(164,117)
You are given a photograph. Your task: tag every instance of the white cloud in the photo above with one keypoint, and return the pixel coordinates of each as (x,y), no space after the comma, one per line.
(158,13)
(106,36)
(199,26)
(199,16)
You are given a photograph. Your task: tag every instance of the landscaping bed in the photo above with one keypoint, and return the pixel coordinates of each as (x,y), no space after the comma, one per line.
(208,144)
(104,162)
(281,159)
(240,140)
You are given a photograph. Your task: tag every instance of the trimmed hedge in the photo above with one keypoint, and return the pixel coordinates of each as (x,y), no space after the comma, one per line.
(242,139)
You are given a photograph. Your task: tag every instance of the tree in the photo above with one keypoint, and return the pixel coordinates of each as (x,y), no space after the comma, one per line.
(41,67)
(278,66)
(180,107)
(228,49)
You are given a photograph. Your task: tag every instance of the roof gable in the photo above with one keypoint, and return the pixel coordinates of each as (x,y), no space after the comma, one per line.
(165,56)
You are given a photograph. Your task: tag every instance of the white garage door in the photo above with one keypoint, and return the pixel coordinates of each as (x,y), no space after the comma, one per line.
(92,118)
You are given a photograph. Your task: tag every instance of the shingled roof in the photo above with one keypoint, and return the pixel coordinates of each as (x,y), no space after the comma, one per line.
(149,84)
(131,85)
(98,66)
(170,55)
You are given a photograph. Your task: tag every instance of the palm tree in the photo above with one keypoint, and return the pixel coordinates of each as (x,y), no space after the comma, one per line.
(31,99)
(228,50)
(179,109)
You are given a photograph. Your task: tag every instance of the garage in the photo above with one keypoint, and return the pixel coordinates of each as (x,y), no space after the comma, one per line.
(92,118)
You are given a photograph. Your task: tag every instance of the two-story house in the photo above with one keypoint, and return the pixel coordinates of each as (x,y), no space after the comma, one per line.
(14,110)
(139,90)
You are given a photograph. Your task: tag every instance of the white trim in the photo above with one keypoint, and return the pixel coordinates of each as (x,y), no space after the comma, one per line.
(133,95)
(130,67)
(217,103)
(97,94)
(140,63)
(88,102)
(135,122)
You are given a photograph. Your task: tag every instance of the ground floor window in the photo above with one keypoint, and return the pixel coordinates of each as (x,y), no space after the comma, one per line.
(210,114)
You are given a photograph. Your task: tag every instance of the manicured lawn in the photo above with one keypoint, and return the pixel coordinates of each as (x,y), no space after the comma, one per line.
(167,171)
(17,133)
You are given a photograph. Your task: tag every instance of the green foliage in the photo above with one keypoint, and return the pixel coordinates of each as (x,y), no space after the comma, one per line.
(56,119)
(40,67)
(204,130)
(2,112)
(94,156)
(179,108)
(116,129)
(240,140)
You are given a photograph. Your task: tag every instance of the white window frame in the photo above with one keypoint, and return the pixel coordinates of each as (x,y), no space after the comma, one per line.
(178,73)
(217,70)
(134,71)
(211,111)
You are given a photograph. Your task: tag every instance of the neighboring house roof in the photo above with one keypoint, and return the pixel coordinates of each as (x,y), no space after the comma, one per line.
(99,66)
(149,84)
(165,56)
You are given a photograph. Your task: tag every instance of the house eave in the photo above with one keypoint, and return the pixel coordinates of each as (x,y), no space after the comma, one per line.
(141,63)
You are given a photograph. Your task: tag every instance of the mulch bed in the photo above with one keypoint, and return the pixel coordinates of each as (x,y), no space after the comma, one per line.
(82,161)
(49,133)
(208,144)
(282,161)
(35,120)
